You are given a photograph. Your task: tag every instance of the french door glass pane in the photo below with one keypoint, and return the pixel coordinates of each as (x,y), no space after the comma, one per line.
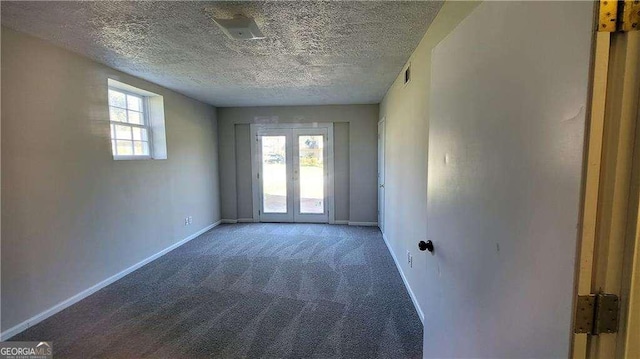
(311,174)
(274,174)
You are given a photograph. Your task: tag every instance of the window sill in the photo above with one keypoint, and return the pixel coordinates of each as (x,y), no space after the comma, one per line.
(130,158)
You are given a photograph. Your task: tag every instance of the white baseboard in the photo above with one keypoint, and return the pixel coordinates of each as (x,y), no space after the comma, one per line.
(406,283)
(250,220)
(87,292)
(370,224)
(239,220)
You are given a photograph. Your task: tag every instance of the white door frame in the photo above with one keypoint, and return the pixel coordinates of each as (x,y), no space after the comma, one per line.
(298,216)
(381,172)
(255,164)
(609,257)
(277,217)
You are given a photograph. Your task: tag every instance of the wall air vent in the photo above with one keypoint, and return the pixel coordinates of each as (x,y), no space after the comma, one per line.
(240,28)
(407,74)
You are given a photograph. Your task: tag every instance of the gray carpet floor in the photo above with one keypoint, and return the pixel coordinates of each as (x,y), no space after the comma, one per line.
(249,291)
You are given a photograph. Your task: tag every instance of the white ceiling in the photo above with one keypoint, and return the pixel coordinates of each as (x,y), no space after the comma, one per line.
(314,52)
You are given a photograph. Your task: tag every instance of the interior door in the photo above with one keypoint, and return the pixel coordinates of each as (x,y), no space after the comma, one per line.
(381,175)
(509,92)
(275,149)
(293,175)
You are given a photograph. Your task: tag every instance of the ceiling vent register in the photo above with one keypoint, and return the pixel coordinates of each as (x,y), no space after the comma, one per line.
(240,28)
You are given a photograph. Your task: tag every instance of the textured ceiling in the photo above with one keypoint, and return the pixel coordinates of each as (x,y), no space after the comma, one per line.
(314,52)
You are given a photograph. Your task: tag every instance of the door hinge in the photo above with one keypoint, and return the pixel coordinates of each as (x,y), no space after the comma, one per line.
(597,314)
(258,175)
(630,16)
(618,15)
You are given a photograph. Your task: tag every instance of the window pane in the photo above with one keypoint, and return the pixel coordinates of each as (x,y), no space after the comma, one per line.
(124,148)
(118,114)
(113,147)
(134,103)
(141,148)
(274,174)
(140,134)
(116,99)
(135,117)
(311,174)
(123,132)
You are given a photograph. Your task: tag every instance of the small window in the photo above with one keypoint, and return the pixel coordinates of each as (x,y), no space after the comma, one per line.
(130,130)
(136,121)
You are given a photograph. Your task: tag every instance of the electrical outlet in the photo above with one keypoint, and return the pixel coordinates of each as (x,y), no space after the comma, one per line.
(190,220)
(186,221)
(409,259)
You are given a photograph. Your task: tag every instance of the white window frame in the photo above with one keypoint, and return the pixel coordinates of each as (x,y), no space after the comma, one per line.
(146,125)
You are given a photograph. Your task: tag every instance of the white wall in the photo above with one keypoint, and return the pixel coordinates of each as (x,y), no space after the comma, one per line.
(243,171)
(341,169)
(355,141)
(71,215)
(406,109)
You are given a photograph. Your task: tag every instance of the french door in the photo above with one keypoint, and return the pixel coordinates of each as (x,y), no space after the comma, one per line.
(292,174)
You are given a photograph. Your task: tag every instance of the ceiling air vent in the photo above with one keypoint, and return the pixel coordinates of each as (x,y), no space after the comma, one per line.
(240,28)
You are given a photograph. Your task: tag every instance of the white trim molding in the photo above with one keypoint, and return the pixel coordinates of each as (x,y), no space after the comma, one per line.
(87,292)
(406,282)
(239,220)
(368,224)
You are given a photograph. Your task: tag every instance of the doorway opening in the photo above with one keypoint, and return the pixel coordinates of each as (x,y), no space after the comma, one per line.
(292,173)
